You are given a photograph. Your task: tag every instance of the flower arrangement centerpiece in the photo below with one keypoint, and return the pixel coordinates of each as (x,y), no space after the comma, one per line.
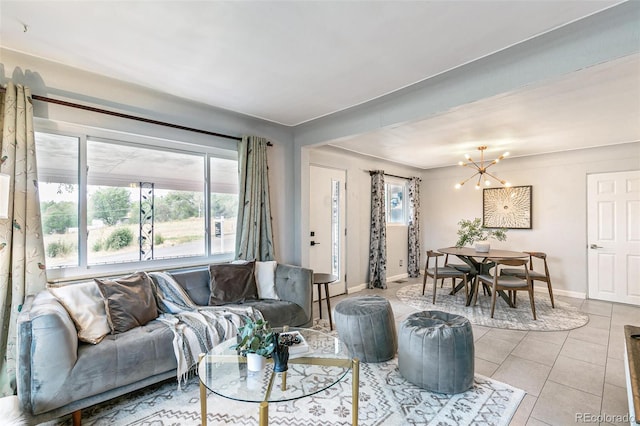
(472,231)
(256,341)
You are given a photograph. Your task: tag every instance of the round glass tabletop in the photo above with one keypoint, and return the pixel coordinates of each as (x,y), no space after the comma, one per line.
(324,363)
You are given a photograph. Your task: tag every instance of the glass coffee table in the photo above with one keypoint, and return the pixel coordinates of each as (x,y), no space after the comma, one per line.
(327,361)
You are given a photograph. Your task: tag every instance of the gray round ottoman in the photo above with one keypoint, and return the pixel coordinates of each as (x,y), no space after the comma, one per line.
(366,325)
(436,351)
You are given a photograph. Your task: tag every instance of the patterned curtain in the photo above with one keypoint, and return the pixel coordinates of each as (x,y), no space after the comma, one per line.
(254,236)
(378,240)
(22,267)
(413,266)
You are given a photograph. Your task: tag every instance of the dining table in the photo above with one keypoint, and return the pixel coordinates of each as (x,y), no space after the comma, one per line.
(479,265)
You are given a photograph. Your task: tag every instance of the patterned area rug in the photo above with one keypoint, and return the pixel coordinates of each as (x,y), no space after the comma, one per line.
(385,399)
(562,317)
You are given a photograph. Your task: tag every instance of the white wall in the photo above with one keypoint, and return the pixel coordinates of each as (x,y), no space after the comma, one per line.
(58,81)
(559,216)
(359,213)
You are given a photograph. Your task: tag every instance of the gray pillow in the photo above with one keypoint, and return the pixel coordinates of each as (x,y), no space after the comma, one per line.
(232,283)
(130,301)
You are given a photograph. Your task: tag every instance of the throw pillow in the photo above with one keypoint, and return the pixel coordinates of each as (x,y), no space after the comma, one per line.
(266,279)
(129,300)
(232,283)
(85,305)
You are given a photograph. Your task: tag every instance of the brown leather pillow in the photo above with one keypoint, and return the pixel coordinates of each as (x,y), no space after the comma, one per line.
(130,301)
(232,283)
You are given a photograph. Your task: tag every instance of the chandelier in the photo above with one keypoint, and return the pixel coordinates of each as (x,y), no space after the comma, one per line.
(481,169)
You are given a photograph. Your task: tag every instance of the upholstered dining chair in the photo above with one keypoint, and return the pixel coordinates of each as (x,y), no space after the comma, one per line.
(533,274)
(459,266)
(441,272)
(509,283)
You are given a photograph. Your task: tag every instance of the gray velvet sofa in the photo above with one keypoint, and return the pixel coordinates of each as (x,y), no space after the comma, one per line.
(57,374)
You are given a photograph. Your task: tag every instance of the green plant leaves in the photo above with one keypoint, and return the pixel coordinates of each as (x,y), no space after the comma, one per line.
(471,231)
(256,337)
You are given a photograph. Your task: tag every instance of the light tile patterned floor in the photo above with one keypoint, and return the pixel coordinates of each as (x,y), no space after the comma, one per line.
(564,373)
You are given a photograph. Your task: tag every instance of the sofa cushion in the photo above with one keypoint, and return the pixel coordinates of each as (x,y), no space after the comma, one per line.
(130,301)
(119,360)
(232,283)
(195,282)
(280,312)
(85,305)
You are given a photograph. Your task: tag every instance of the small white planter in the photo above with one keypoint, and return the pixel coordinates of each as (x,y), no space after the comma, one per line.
(482,247)
(255,362)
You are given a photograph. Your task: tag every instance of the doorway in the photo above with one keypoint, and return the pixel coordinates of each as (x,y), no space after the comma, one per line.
(327,224)
(613,236)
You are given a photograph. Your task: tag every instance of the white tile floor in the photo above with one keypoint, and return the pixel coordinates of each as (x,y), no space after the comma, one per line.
(564,372)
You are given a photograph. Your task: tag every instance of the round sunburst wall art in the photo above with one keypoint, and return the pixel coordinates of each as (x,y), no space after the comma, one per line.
(507,207)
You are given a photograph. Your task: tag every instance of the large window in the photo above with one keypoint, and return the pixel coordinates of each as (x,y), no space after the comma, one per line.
(134,202)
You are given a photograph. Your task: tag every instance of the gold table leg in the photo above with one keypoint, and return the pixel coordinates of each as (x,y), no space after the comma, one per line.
(355,389)
(203,397)
(264,413)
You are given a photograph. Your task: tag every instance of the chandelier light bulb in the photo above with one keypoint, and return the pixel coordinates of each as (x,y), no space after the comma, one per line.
(487,182)
(477,186)
(458,185)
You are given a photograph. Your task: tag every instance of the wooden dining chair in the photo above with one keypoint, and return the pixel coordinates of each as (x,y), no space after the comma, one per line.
(509,283)
(441,272)
(533,274)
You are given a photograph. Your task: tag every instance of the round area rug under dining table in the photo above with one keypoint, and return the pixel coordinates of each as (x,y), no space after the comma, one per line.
(563,317)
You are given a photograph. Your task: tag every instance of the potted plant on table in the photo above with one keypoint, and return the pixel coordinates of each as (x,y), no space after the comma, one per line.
(472,231)
(257,342)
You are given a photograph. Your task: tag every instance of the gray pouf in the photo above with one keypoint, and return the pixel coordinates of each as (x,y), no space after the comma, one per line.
(436,351)
(366,325)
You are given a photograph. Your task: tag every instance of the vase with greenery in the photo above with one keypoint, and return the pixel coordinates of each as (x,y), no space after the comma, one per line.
(255,339)
(472,231)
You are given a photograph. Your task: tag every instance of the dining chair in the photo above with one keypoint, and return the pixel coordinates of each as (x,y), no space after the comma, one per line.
(441,272)
(509,283)
(459,266)
(533,274)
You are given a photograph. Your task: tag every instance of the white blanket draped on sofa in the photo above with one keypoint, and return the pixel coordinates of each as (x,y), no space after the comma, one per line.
(196,329)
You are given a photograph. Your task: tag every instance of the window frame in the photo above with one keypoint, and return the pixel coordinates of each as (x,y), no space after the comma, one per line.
(218,149)
(405,201)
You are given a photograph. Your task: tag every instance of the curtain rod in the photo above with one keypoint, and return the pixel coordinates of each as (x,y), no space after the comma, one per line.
(131,117)
(389,174)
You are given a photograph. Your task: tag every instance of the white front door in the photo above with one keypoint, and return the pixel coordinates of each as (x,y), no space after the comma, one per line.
(326,240)
(613,216)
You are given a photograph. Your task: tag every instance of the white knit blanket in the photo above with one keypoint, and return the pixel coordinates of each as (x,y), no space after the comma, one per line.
(196,329)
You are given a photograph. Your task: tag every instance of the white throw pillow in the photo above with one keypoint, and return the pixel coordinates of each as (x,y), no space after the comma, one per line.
(265,273)
(85,305)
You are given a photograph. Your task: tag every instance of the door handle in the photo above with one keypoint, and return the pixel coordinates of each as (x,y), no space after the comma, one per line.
(313,243)
(594,246)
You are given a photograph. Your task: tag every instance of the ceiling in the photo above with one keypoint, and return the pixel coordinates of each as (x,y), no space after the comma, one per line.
(292,62)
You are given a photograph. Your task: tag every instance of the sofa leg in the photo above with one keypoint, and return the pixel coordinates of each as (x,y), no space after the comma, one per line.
(76,417)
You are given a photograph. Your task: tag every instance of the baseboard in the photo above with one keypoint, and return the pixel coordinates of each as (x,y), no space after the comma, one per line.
(542,288)
(363,286)
(356,288)
(397,277)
